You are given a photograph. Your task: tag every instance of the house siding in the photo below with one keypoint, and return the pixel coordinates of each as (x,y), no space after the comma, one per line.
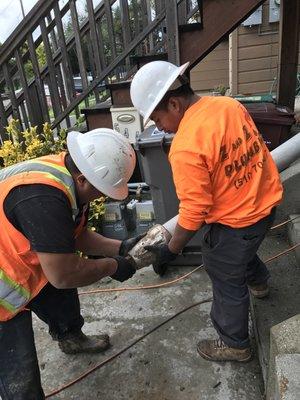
(253,55)
(213,70)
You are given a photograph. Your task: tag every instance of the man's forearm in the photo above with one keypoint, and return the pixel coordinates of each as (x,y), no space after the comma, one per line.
(180,238)
(69,270)
(92,243)
(89,271)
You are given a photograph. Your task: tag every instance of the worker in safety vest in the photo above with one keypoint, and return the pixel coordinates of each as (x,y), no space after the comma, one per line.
(43,214)
(227,185)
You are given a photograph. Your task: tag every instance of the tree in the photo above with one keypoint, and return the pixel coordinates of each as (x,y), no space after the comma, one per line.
(41,57)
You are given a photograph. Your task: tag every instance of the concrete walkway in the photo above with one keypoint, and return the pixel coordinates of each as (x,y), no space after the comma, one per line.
(165,365)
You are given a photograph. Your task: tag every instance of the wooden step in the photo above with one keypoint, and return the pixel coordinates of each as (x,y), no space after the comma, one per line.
(98,116)
(144,59)
(219,19)
(190,27)
(120,94)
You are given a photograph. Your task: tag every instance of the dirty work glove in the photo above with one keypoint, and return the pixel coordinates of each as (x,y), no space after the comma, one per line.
(128,244)
(163,257)
(125,269)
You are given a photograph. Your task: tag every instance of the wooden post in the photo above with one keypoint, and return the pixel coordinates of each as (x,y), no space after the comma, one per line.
(42,111)
(66,66)
(24,84)
(13,99)
(53,87)
(288,54)
(97,51)
(233,62)
(110,28)
(172,32)
(79,52)
(3,121)
(182,13)
(125,22)
(37,104)
(126,26)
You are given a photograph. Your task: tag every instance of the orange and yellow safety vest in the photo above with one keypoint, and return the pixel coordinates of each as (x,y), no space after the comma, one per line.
(21,276)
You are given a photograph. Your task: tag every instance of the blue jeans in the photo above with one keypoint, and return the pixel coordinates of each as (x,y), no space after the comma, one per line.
(19,370)
(230,259)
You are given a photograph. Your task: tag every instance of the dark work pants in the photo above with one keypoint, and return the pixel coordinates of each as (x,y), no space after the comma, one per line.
(19,370)
(230,259)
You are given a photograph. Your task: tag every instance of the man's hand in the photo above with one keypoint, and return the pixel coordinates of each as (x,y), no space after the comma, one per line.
(125,269)
(128,244)
(163,257)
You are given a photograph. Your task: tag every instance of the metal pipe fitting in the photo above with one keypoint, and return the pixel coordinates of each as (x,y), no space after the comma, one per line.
(158,234)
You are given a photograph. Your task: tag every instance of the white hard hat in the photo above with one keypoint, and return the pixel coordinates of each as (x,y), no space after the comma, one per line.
(105,158)
(151,83)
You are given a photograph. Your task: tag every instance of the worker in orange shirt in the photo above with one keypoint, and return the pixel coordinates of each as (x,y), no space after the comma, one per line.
(227,185)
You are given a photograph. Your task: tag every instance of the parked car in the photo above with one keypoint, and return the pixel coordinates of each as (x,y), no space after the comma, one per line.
(78,83)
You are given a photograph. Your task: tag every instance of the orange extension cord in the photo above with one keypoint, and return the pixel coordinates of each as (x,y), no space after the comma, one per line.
(181,278)
(100,365)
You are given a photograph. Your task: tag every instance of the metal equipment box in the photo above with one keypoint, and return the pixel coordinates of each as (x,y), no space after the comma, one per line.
(145,217)
(127,121)
(113,222)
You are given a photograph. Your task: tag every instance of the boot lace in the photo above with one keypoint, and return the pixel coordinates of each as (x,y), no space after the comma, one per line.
(219,344)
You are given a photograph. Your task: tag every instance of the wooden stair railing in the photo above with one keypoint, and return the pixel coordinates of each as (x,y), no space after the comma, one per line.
(32,105)
(219,19)
(148,29)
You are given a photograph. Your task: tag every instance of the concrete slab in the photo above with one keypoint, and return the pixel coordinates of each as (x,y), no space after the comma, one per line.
(294,234)
(165,365)
(291,200)
(288,372)
(284,299)
(284,339)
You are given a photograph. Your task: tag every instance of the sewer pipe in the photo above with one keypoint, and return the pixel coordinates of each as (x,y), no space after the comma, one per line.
(288,152)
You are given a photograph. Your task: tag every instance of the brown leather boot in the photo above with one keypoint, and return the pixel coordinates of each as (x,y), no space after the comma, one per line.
(81,343)
(259,291)
(217,350)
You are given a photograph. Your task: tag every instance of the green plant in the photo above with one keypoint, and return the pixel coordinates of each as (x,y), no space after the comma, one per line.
(97,208)
(220,89)
(28,144)
(80,120)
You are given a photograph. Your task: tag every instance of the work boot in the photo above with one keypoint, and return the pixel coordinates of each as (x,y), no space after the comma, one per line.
(259,291)
(81,343)
(217,350)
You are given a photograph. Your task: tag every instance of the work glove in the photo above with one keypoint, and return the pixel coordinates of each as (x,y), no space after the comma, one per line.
(125,269)
(163,257)
(128,244)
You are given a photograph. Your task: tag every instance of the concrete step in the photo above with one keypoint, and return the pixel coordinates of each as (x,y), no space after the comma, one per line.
(283,301)
(287,374)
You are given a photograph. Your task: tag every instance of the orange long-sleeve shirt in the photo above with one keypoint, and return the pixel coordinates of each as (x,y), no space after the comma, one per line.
(222,169)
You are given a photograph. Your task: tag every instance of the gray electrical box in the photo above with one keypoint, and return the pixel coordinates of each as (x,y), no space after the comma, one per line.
(255,18)
(113,222)
(274,10)
(145,217)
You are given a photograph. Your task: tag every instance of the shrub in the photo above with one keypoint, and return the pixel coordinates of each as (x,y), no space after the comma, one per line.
(29,144)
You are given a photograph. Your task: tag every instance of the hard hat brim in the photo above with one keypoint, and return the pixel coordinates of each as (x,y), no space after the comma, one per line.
(119,193)
(179,71)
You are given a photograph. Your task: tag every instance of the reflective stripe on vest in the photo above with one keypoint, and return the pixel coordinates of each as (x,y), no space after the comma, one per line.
(53,171)
(12,295)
